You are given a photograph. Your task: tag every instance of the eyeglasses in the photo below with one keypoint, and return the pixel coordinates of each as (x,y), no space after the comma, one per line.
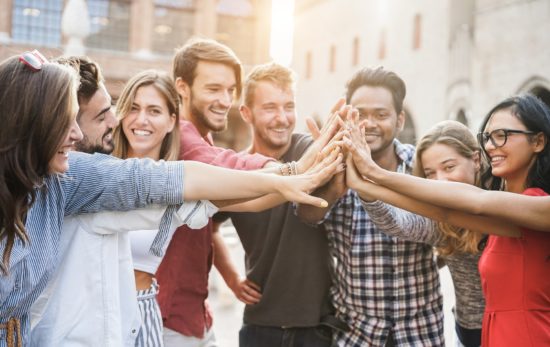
(33,60)
(499,137)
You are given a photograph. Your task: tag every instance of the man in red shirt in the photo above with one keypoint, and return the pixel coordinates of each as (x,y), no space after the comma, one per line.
(207,75)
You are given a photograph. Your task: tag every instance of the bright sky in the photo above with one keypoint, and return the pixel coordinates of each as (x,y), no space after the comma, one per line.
(282,27)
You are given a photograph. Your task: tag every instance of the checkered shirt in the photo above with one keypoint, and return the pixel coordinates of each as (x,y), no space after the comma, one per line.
(382,283)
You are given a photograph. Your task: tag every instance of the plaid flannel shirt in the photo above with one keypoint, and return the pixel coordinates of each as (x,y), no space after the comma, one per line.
(382,283)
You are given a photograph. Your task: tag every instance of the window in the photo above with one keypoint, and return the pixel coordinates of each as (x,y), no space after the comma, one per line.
(382,45)
(332,59)
(110,24)
(417,32)
(172,24)
(37,22)
(461,117)
(308,65)
(355,52)
(238,33)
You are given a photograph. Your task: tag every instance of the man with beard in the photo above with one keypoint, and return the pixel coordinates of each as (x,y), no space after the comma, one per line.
(207,76)
(286,260)
(385,288)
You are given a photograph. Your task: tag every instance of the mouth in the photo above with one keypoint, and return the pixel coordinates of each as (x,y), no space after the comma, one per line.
(141,132)
(497,159)
(279,130)
(221,112)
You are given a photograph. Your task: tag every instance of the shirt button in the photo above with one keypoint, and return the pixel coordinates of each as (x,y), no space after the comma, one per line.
(133,331)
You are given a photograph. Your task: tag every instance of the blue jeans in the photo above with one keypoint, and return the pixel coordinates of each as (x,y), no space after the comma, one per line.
(260,336)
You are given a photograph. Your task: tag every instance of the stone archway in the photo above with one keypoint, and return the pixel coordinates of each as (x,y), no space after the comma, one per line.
(542,93)
(538,86)
(461,117)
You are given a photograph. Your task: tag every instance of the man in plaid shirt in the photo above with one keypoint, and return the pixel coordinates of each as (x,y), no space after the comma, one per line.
(385,289)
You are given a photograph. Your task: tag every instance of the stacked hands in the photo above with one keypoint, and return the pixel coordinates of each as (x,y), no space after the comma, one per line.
(339,158)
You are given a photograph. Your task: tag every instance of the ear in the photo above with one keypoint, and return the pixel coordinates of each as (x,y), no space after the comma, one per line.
(401,120)
(246,113)
(183,89)
(172,122)
(539,142)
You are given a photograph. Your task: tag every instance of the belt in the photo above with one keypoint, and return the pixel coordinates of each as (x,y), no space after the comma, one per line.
(13,327)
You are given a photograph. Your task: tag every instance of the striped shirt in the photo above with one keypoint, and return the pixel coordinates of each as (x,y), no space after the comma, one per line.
(382,283)
(93,183)
(462,266)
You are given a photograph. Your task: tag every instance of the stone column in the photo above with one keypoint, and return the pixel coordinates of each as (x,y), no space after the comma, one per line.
(141,27)
(75,25)
(205,18)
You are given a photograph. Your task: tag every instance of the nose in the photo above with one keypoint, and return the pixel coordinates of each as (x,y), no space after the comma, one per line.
(226,98)
(75,134)
(441,176)
(141,117)
(281,115)
(111,119)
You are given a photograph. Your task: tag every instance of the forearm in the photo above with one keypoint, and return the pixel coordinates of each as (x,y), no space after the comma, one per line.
(222,261)
(312,214)
(208,182)
(255,205)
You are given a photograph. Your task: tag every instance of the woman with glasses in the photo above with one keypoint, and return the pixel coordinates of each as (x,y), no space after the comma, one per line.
(38,108)
(515,264)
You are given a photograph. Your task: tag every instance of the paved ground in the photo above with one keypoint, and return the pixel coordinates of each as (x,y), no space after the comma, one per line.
(228,310)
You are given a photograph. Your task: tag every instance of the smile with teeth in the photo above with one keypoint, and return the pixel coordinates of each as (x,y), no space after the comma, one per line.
(140,132)
(497,159)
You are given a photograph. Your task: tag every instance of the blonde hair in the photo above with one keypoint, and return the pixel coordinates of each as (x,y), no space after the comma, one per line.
(457,136)
(275,73)
(163,83)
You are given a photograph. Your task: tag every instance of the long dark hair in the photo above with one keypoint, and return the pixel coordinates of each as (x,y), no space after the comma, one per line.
(535,115)
(35,114)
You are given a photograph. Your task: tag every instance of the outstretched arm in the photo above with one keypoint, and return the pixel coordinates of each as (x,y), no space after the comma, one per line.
(368,191)
(453,195)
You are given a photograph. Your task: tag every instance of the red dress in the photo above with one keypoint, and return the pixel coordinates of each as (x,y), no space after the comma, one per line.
(515,276)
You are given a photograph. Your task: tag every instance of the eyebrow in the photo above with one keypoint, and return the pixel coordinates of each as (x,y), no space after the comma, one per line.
(106,109)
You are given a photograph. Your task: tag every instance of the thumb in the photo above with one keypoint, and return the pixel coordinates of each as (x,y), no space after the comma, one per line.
(313,128)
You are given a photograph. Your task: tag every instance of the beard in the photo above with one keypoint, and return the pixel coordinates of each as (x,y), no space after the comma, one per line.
(86,146)
(205,122)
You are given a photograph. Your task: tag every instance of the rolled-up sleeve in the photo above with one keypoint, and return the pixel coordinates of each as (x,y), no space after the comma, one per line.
(100,182)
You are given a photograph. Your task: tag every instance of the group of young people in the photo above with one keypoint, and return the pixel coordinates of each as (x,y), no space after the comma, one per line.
(115,250)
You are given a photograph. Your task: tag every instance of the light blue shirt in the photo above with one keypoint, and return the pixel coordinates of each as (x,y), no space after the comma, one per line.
(93,183)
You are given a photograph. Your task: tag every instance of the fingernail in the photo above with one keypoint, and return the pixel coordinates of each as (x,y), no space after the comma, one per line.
(324,204)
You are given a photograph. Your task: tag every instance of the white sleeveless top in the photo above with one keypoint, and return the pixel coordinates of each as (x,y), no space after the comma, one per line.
(194,214)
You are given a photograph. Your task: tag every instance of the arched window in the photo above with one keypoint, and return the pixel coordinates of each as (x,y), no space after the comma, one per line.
(542,93)
(461,117)
(355,52)
(332,59)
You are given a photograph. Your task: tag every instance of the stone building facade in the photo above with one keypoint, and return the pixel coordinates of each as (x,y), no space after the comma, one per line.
(458,58)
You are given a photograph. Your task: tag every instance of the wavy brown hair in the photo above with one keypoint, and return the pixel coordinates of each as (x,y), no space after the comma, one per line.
(457,136)
(36,111)
(162,82)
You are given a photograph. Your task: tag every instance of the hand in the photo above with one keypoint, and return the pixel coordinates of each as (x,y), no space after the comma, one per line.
(328,155)
(355,181)
(357,146)
(322,137)
(297,188)
(247,291)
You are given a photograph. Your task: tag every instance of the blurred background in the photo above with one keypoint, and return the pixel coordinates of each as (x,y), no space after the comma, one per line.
(457,57)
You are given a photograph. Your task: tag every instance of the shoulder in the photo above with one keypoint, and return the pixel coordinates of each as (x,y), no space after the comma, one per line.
(534,192)
(299,144)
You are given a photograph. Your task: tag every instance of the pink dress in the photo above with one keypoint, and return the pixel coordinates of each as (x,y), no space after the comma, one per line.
(515,277)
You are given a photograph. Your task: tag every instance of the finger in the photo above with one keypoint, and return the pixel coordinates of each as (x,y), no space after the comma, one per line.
(253,294)
(338,105)
(253,285)
(313,128)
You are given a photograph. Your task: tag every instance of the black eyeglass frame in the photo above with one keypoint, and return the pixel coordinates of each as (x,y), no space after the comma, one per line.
(484,137)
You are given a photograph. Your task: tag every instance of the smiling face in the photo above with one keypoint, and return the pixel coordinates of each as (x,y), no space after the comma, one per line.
(513,160)
(60,161)
(97,121)
(272,116)
(210,97)
(147,123)
(442,162)
(378,114)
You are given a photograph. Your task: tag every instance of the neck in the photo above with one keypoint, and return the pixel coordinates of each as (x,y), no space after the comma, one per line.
(263,149)
(153,154)
(387,159)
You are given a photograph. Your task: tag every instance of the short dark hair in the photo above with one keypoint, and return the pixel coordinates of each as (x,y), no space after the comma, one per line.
(378,77)
(535,115)
(90,76)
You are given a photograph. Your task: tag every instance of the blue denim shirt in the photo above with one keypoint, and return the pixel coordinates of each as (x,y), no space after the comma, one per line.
(93,183)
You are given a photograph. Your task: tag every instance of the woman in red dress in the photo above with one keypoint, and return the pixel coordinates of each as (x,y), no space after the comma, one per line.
(515,265)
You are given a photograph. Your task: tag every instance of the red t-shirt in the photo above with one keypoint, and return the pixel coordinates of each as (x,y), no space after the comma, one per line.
(515,276)
(183,273)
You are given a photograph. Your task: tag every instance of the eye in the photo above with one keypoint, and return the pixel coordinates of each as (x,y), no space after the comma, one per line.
(449,168)
(429,174)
